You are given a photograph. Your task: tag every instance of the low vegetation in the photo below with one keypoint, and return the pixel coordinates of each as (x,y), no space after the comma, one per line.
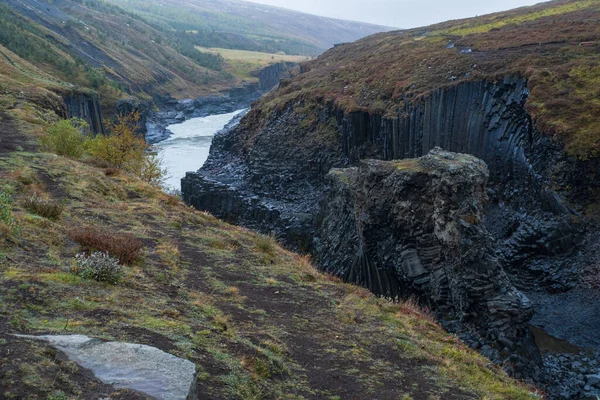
(127,150)
(98,266)
(43,207)
(67,138)
(125,247)
(123,149)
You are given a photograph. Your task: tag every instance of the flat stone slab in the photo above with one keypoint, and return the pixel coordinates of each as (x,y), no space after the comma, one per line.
(129,366)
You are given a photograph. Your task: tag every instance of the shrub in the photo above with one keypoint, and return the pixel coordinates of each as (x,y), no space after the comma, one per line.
(112,171)
(44,208)
(66,138)
(151,170)
(8,223)
(124,246)
(98,266)
(126,150)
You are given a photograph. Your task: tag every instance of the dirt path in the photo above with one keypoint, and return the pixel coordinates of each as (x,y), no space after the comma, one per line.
(10,138)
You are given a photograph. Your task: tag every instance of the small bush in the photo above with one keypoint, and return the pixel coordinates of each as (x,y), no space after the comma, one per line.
(44,208)
(123,246)
(98,266)
(126,150)
(112,171)
(67,138)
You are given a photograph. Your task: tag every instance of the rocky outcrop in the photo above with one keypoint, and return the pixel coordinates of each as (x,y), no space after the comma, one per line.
(86,107)
(488,120)
(414,228)
(270,76)
(288,160)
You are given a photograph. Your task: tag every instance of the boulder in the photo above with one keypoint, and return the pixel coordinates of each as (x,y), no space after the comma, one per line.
(130,366)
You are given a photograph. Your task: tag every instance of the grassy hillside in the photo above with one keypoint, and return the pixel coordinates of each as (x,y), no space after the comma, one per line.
(555,45)
(249,26)
(101,47)
(152,47)
(259,322)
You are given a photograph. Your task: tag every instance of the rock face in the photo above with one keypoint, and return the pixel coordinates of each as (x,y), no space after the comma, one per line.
(414,228)
(130,366)
(270,76)
(270,173)
(86,107)
(281,166)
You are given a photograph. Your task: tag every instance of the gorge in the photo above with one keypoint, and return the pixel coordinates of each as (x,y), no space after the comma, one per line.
(410,215)
(272,173)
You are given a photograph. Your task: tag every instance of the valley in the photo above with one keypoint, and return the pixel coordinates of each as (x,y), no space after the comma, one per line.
(187,149)
(350,212)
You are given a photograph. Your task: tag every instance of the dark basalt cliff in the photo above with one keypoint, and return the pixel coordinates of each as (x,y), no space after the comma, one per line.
(287,161)
(270,76)
(273,177)
(415,228)
(86,107)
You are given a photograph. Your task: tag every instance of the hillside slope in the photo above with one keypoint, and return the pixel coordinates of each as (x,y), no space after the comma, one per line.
(103,48)
(250,26)
(553,45)
(258,322)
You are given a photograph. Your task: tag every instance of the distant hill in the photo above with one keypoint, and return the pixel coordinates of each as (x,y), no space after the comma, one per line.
(151,47)
(250,26)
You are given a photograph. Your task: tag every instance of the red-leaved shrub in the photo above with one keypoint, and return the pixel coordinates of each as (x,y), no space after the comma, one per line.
(124,246)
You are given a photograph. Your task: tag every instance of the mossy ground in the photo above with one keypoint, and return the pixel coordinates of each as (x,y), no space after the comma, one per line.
(258,321)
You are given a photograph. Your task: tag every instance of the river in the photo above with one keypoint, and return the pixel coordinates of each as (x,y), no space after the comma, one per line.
(187,149)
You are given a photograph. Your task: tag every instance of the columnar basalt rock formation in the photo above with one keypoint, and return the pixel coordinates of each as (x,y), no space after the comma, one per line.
(270,76)
(415,228)
(281,165)
(86,107)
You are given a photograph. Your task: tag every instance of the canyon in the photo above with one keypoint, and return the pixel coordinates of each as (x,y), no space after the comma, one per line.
(302,166)
(413,214)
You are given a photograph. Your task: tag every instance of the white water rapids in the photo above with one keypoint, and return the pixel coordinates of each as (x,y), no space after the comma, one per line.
(187,149)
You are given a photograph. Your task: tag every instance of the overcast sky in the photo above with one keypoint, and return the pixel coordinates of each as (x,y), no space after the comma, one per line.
(399,13)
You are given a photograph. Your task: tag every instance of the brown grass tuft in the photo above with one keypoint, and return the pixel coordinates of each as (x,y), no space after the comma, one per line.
(44,208)
(112,171)
(124,246)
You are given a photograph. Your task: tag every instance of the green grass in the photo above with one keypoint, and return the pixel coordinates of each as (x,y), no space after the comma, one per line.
(497,21)
(244,64)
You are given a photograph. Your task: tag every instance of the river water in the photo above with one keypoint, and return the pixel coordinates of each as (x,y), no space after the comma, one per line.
(187,149)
